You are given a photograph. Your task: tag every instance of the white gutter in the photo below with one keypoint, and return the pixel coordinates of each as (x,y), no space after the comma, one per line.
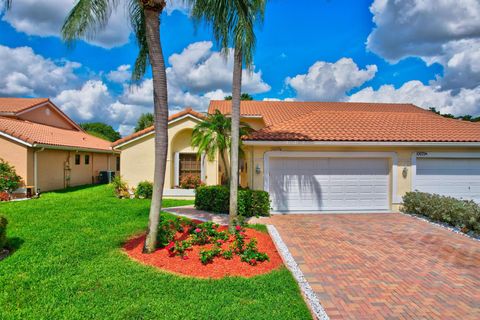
(35,170)
(359,143)
(15,139)
(48,146)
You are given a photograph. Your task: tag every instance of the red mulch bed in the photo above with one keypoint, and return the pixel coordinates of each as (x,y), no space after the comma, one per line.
(219,268)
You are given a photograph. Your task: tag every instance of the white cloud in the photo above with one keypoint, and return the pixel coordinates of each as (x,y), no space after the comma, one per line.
(330,81)
(45,18)
(28,74)
(121,74)
(199,69)
(93,102)
(445,32)
(87,103)
(466,101)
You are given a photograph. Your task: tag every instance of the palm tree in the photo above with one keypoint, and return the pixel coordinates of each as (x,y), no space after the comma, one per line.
(88,17)
(233,23)
(212,136)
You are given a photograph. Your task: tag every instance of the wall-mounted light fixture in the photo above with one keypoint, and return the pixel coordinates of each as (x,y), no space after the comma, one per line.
(405,172)
(257,169)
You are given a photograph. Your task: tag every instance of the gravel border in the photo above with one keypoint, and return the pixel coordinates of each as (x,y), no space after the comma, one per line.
(309,294)
(442,225)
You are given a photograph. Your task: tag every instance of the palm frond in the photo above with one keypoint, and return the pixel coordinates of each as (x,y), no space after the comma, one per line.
(87,18)
(7,4)
(137,21)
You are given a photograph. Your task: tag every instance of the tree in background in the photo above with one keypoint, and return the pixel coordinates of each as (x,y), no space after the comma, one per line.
(233,24)
(465,117)
(146,120)
(213,135)
(243,97)
(85,20)
(101,130)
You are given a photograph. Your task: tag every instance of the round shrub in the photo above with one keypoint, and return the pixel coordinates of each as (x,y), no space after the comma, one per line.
(144,190)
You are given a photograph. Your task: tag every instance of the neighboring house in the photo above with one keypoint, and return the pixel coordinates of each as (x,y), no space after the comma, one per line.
(48,149)
(329,156)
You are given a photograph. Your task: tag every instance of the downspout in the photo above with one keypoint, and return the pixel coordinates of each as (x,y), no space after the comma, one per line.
(35,169)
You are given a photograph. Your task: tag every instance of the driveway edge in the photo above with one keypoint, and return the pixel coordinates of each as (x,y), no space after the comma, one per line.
(309,294)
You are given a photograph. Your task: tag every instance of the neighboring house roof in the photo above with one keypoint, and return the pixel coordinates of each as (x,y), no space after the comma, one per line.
(350,121)
(36,134)
(15,105)
(173,117)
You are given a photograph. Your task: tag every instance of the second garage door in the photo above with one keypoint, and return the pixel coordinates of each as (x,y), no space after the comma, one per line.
(328,184)
(458,178)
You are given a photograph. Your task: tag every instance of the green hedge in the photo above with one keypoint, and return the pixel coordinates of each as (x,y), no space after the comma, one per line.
(458,213)
(217,199)
(3,232)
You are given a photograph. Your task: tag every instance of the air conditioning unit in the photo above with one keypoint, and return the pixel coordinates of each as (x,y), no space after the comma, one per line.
(106,177)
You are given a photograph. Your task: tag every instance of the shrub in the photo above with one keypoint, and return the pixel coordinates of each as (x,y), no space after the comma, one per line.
(4,196)
(9,180)
(462,214)
(3,232)
(190,181)
(120,187)
(217,199)
(144,190)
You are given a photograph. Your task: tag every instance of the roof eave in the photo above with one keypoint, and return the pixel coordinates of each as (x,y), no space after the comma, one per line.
(360,143)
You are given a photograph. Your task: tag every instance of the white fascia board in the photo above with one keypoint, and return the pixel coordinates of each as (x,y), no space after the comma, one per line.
(67,148)
(359,143)
(6,135)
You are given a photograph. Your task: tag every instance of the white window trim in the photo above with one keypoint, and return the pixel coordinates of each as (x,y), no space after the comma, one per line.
(176,167)
(437,155)
(395,199)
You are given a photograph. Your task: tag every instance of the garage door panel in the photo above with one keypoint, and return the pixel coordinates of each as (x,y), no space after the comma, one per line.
(313,184)
(458,178)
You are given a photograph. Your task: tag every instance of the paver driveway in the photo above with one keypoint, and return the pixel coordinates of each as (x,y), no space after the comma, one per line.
(385,266)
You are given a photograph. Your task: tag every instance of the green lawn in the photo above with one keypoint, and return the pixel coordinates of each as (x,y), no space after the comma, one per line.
(68,264)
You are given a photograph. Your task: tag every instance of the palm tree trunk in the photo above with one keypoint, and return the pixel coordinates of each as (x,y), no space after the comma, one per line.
(160,102)
(225,165)
(236,94)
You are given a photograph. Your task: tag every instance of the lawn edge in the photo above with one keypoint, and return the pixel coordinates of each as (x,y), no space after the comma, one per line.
(309,295)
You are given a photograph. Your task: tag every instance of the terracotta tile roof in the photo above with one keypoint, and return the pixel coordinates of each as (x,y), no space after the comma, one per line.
(174,116)
(14,105)
(341,121)
(35,133)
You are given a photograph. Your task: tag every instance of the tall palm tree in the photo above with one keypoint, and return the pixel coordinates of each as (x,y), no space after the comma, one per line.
(212,136)
(88,17)
(233,22)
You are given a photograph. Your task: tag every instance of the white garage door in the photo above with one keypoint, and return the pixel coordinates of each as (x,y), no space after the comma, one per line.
(328,184)
(458,178)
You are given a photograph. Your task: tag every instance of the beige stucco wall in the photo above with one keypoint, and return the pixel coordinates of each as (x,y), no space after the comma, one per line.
(256,155)
(52,164)
(17,155)
(137,157)
(47,115)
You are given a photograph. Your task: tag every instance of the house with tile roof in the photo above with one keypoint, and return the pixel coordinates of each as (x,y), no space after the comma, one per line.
(327,156)
(48,149)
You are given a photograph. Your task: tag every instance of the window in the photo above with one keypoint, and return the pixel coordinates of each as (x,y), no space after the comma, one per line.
(77,159)
(87,159)
(189,164)
(118,163)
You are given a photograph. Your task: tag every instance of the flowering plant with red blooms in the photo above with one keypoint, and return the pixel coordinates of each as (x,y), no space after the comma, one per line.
(238,228)
(198,230)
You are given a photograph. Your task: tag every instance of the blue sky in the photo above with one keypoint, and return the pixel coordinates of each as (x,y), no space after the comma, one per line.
(347,50)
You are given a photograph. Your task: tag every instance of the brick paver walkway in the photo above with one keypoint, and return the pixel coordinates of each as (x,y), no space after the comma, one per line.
(385,266)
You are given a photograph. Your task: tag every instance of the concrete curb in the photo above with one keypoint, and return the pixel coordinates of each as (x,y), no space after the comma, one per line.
(309,294)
